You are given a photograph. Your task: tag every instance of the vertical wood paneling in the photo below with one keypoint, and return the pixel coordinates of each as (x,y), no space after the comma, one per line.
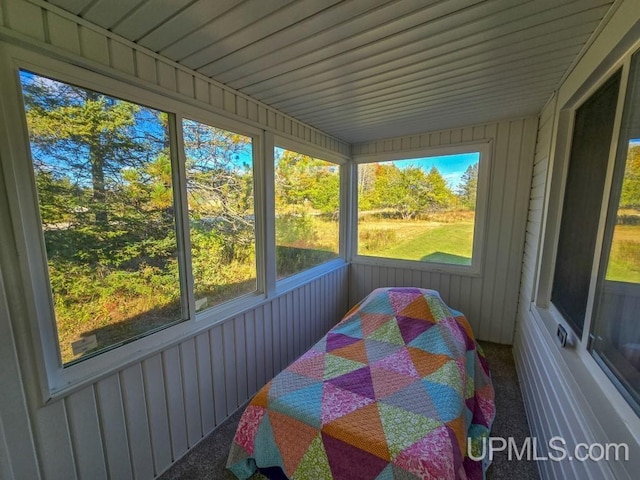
(25,18)
(175,401)
(275,317)
(153,378)
(205,382)
(84,427)
(93,46)
(54,442)
(190,391)
(498,182)
(281,318)
(121,57)
(114,428)
(219,374)
(268,338)
(133,396)
(63,33)
(230,377)
(240,352)
(251,338)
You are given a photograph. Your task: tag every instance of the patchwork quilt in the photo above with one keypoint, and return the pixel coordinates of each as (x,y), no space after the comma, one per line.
(399,389)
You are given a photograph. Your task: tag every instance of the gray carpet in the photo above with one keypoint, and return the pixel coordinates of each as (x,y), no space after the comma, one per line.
(207,459)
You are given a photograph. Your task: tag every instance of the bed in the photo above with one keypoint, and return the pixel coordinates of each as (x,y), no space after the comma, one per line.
(398,389)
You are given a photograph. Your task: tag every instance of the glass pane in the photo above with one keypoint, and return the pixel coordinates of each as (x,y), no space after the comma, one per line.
(590,145)
(616,329)
(219,170)
(419,209)
(103,175)
(307,192)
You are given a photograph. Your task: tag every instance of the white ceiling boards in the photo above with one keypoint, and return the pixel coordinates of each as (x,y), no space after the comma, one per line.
(368,69)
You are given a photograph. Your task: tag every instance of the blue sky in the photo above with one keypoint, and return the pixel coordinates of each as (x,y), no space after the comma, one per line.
(452,167)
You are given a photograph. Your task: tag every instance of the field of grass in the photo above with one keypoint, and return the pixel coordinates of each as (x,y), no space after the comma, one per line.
(444,239)
(624,262)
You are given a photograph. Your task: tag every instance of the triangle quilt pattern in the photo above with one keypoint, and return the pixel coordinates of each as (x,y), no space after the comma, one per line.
(391,392)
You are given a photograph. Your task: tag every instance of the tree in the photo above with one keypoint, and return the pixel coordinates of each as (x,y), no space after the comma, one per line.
(468,188)
(87,138)
(407,192)
(220,186)
(103,174)
(439,195)
(303,180)
(630,195)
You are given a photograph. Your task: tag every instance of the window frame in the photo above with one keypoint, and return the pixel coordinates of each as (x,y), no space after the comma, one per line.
(577,353)
(55,380)
(287,283)
(485,148)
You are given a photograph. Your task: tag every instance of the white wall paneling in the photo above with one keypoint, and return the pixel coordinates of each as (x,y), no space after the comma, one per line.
(138,421)
(490,299)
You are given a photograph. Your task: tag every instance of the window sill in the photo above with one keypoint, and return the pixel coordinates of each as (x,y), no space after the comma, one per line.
(595,388)
(294,281)
(462,270)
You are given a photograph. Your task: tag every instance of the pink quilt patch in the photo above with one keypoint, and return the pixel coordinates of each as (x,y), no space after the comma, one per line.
(248,428)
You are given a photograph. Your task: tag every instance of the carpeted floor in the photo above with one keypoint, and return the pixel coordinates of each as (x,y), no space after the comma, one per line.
(207,459)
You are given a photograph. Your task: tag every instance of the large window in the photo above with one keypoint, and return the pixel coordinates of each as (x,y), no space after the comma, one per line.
(103,173)
(219,175)
(596,277)
(307,207)
(118,211)
(593,130)
(616,329)
(420,209)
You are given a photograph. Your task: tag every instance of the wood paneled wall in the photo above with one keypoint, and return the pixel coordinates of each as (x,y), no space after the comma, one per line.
(138,421)
(490,299)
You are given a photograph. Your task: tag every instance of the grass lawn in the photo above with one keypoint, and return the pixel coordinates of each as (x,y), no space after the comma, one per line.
(418,240)
(624,262)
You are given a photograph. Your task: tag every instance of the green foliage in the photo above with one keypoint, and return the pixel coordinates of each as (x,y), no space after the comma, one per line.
(290,260)
(104,179)
(468,189)
(630,195)
(307,182)
(406,192)
(373,240)
(296,230)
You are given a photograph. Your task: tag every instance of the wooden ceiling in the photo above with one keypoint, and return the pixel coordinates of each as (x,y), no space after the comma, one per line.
(368,69)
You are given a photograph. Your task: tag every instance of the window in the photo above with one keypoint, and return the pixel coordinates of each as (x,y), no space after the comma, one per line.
(103,174)
(307,207)
(422,209)
(596,276)
(615,330)
(118,211)
(219,175)
(593,130)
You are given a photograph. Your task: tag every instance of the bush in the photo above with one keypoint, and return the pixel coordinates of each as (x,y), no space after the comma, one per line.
(298,230)
(375,239)
(290,260)
(625,219)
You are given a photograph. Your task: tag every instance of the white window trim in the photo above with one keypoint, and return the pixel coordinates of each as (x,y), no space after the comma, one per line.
(285,284)
(576,353)
(485,148)
(56,381)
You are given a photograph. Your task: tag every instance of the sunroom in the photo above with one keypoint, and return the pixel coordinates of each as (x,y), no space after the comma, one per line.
(194,192)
